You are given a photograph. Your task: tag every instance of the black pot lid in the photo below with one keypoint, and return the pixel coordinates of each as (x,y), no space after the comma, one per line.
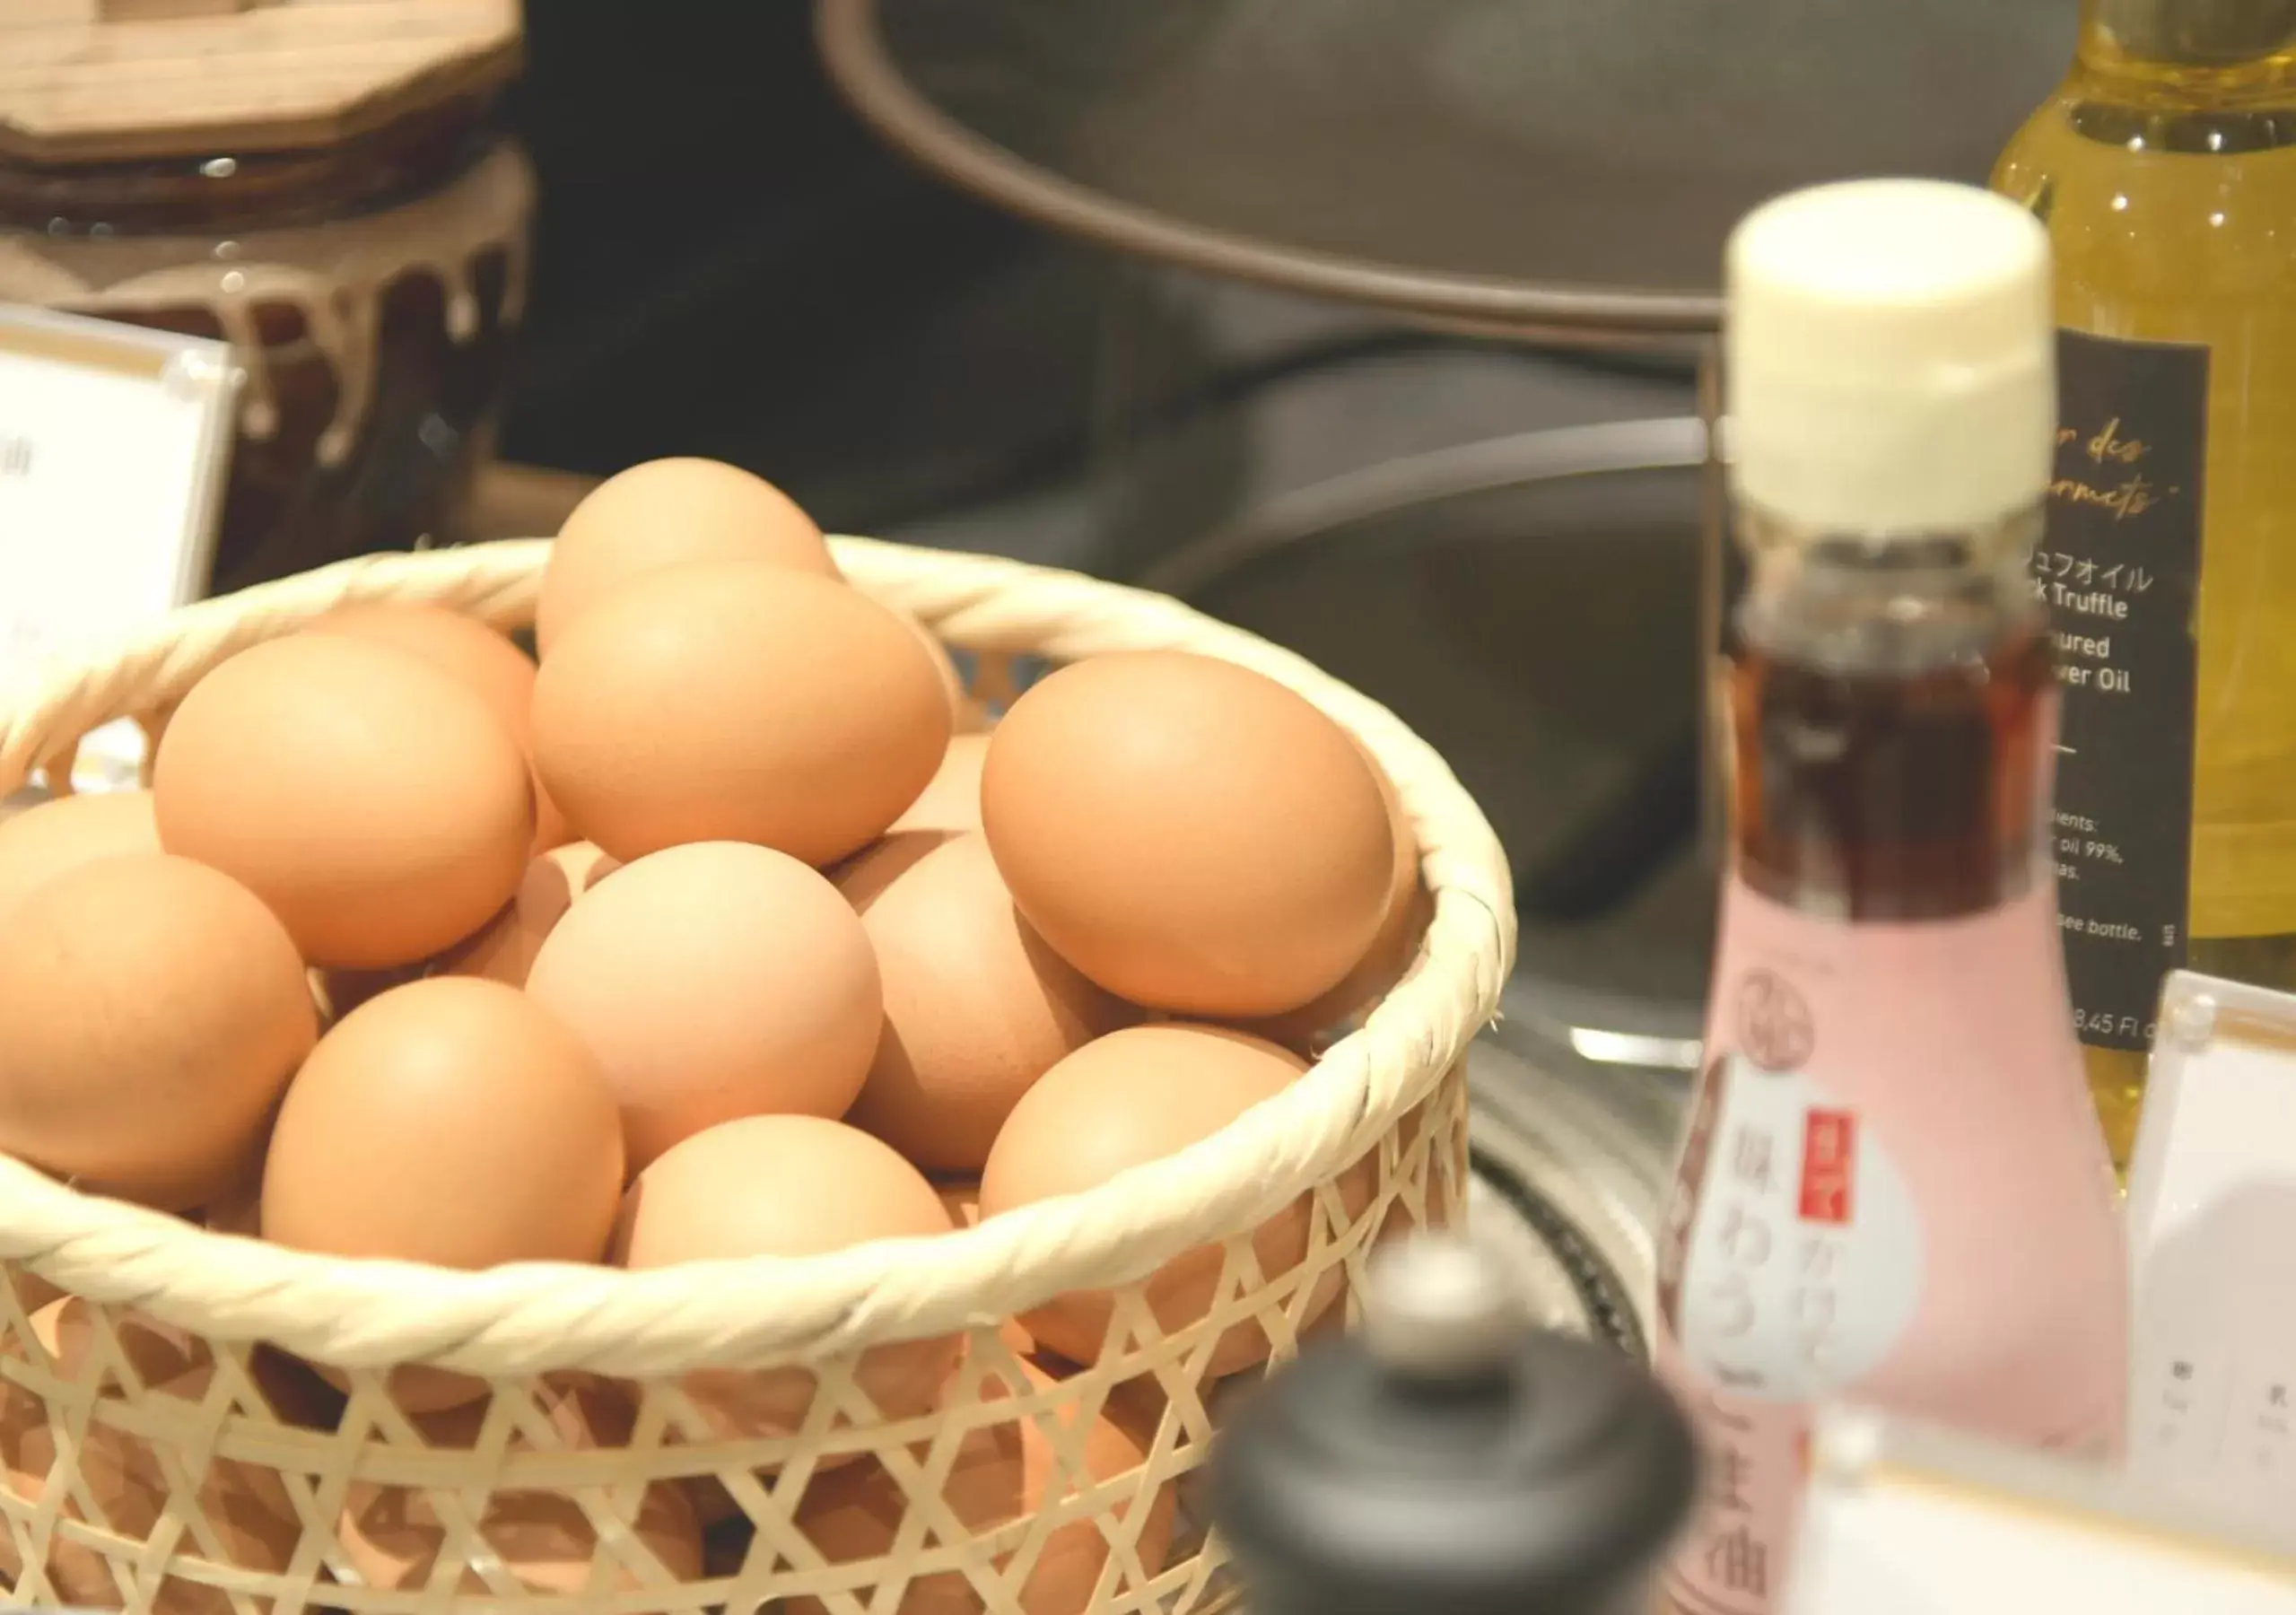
(1568,164)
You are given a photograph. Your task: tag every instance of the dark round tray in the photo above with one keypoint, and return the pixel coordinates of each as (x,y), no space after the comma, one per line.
(1529,605)
(1567,170)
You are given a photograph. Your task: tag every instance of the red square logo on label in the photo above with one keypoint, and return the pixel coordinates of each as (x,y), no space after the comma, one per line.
(1829,1167)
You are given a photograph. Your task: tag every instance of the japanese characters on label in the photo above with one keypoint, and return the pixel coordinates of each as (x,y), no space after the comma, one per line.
(1736,1567)
(1795,1271)
(1803,1262)
(1829,1167)
(2118,571)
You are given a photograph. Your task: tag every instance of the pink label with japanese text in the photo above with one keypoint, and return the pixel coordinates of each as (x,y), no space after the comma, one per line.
(1893,1191)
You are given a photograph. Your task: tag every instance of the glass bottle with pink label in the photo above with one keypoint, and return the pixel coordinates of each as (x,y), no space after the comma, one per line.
(1893,1189)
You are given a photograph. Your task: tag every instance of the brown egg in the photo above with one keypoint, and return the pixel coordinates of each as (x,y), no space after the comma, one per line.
(1002,1472)
(787,1186)
(238,1211)
(338,993)
(504,949)
(952,681)
(951,800)
(864,878)
(153,1012)
(43,841)
(961,1199)
(659,514)
(711,981)
(1409,907)
(236,1207)
(32,1291)
(246,1504)
(501,950)
(450,1121)
(737,702)
(374,802)
(1189,834)
(976,1006)
(970,714)
(544,1539)
(466,650)
(1133,1096)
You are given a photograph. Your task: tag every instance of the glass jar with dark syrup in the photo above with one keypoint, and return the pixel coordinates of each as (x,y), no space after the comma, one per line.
(327,188)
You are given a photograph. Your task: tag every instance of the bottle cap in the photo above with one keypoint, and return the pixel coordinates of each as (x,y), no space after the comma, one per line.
(2200,32)
(1451,1460)
(1889,358)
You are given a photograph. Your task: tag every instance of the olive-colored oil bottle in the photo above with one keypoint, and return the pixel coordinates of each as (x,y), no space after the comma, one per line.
(2165,169)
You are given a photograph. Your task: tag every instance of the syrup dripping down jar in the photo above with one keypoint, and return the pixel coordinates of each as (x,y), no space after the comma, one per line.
(328,188)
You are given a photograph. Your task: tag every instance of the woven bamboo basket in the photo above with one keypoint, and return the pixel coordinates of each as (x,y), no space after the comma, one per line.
(172,1451)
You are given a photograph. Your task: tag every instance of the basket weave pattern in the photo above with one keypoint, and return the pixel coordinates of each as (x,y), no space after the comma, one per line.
(171,1454)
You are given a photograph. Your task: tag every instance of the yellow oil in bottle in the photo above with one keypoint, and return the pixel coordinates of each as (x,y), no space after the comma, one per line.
(2165,170)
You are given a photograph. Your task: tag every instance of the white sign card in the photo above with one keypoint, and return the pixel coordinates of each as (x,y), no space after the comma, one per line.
(1900,1520)
(2212,1231)
(114,442)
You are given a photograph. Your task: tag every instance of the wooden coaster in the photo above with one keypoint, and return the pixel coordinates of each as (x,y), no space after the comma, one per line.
(93,81)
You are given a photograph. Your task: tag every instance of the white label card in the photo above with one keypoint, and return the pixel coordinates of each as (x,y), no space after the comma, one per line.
(113,444)
(2211,1205)
(1902,1521)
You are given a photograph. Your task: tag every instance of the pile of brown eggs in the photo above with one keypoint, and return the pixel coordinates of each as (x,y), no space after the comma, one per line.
(734,928)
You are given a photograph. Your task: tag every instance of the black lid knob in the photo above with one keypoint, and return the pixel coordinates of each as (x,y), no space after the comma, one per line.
(1451,1460)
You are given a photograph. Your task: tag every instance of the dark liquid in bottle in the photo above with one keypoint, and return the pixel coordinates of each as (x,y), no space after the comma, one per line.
(1890,765)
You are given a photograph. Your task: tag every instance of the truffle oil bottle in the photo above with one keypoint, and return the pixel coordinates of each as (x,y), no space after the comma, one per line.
(2164,169)
(1893,1188)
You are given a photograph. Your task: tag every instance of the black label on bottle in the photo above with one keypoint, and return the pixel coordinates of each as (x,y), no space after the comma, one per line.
(2119,571)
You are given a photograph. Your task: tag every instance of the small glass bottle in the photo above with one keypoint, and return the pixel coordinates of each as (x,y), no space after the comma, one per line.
(1893,1189)
(1451,1460)
(2164,168)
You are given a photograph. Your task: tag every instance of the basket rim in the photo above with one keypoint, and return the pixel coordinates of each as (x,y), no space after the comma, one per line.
(535,1317)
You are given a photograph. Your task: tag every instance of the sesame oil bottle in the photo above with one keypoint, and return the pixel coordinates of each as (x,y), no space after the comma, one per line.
(1894,1190)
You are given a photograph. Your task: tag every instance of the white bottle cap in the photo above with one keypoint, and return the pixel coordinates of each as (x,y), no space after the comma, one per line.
(1889,360)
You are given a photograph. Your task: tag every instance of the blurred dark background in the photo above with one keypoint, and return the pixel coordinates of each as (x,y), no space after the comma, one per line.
(727,264)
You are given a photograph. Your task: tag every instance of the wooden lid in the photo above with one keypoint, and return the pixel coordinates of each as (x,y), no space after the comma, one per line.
(97,80)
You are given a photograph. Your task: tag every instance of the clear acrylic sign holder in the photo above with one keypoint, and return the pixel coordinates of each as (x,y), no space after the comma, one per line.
(1902,1520)
(2212,1227)
(114,445)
